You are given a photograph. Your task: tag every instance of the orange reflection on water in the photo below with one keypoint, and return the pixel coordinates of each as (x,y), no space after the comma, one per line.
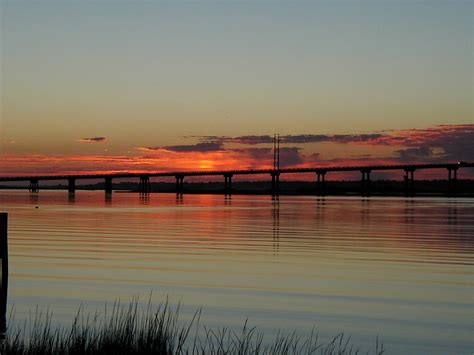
(397,267)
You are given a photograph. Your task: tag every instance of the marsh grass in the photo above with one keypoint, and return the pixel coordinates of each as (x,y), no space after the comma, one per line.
(129,329)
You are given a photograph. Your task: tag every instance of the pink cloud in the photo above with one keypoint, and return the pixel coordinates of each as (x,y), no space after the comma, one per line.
(446,143)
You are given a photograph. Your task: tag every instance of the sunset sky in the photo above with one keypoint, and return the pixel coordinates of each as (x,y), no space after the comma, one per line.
(154,86)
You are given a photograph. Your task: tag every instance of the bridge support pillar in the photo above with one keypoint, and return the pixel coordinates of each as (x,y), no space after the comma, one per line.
(409,182)
(365,182)
(452,180)
(34,185)
(144,184)
(71,185)
(179,184)
(108,185)
(321,182)
(275,182)
(228,183)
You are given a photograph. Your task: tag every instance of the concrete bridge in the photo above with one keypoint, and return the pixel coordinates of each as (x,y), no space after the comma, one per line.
(408,171)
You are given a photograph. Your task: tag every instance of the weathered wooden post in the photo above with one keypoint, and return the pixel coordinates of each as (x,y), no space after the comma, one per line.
(4,242)
(4,281)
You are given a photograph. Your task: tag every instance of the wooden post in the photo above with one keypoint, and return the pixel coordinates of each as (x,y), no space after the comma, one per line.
(4,283)
(4,245)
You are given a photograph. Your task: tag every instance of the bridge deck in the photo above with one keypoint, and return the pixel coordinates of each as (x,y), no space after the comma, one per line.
(319,169)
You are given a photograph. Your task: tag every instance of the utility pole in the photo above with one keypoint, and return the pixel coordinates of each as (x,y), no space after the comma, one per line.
(276,152)
(276,165)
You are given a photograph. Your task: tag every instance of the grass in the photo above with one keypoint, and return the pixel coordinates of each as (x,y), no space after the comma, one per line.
(157,330)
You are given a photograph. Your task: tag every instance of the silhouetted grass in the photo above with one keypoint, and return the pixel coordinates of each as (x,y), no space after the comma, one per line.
(128,330)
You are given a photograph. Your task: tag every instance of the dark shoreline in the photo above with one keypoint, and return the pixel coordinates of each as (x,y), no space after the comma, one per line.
(382,188)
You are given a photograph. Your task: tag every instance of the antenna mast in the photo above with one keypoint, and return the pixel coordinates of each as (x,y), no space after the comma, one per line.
(276,151)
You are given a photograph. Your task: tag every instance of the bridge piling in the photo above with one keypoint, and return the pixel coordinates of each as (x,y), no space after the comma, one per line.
(34,186)
(179,184)
(452,180)
(321,182)
(144,184)
(365,182)
(409,182)
(228,184)
(71,185)
(108,185)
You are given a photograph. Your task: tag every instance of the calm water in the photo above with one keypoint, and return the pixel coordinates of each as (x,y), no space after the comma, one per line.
(399,268)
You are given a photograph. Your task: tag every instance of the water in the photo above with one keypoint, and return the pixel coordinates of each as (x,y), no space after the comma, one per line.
(398,268)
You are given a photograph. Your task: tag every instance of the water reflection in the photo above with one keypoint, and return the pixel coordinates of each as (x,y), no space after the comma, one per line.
(409,211)
(108,198)
(398,267)
(144,199)
(365,210)
(452,213)
(276,224)
(320,202)
(71,198)
(34,198)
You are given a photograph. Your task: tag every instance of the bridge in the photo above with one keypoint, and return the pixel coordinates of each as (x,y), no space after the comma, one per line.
(320,172)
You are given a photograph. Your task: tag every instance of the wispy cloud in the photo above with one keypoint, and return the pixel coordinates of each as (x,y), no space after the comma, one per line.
(210,146)
(441,142)
(444,143)
(93,139)
(293,139)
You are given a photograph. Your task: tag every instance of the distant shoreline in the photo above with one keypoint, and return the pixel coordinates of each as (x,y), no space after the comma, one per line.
(382,188)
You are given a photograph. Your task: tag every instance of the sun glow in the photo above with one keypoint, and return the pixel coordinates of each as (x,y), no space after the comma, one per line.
(206,164)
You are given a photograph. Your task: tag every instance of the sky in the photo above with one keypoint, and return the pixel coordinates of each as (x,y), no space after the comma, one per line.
(101,85)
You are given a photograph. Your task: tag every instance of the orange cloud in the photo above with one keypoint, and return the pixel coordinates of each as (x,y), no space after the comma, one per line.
(446,143)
